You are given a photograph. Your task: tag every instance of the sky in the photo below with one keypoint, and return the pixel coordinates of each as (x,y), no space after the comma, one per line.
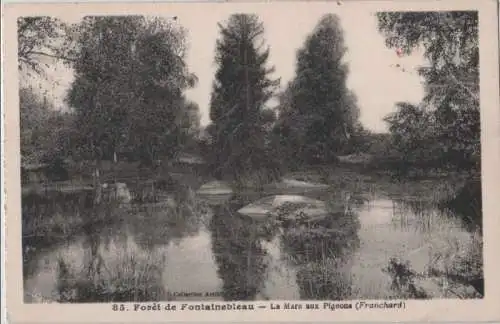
(373,76)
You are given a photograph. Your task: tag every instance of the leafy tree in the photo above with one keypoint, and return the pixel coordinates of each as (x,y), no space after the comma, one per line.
(360,140)
(189,119)
(33,123)
(101,91)
(317,107)
(44,130)
(128,89)
(241,89)
(40,37)
(41,41)
(450,43)
(406,125)
(158,125)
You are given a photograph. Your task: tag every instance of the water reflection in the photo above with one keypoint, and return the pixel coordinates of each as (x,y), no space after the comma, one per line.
(321,252)
(239,253)
(158,224)
(420,216)
(333,237)
(415,232)
(147,252)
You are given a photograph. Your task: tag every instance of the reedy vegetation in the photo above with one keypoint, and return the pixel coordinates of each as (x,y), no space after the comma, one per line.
(128,96)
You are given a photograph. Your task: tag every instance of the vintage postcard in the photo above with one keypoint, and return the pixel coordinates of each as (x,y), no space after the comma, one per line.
(252,161)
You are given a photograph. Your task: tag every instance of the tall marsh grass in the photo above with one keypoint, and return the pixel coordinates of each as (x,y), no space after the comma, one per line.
(131,276)
(455,270)
(327,278)
(460,262)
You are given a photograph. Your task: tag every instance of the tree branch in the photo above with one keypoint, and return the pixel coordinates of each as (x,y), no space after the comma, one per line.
(62,57)
(474,96)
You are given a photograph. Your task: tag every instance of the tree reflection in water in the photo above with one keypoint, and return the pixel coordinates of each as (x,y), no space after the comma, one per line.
(160,224)
(321,252)
(115,270)
(238,252)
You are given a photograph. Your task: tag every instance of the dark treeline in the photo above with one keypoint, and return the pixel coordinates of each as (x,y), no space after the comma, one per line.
(128,103)
(128,96)
(444,129)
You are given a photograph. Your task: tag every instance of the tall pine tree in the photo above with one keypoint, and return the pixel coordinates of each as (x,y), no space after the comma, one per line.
(241,89)
(320,110)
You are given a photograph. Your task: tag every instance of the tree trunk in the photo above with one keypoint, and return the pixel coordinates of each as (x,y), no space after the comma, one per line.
(97,183)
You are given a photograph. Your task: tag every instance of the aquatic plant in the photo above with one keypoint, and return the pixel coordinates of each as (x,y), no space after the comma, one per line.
(324,279)
(403,280)
(461,264)
(132,277)
(455,269)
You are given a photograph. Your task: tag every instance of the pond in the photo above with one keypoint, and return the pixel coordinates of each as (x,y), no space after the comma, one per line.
(197,249)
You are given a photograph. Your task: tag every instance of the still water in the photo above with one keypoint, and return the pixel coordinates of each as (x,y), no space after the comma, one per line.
(202,249)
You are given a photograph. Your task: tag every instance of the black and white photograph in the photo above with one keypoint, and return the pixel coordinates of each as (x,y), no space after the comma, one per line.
(250,156)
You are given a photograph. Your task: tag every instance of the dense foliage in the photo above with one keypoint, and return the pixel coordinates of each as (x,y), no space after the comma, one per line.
(128,101)
(128,90)
(445,127)
(44,130)
(318,113)
(128,95)
(240,119)
(42,37)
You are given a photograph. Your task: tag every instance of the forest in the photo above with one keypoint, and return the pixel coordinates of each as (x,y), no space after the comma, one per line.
(128,97)
(128,120)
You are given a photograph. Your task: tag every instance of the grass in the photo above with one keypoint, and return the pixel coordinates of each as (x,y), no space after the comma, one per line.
(118,272)
(255,179)
(467,204)
(403,280)
(133,276)
(320,252)
(461,263)
(456,266)
(362,185)
(326,279)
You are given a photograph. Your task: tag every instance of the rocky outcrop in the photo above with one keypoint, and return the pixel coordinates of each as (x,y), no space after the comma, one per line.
(215,192)
(286,208)
(215,188)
